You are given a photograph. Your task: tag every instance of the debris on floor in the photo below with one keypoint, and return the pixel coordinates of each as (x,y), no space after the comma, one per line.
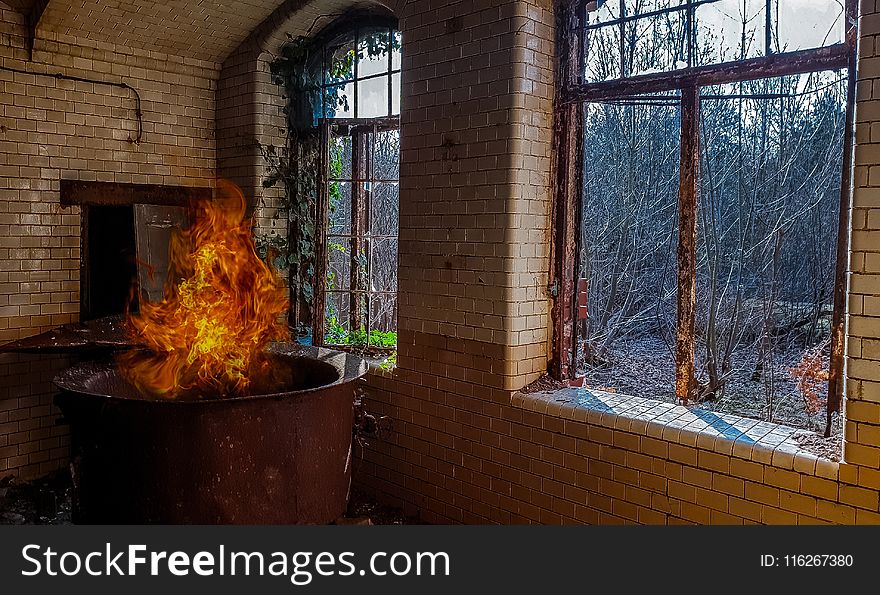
(46,501)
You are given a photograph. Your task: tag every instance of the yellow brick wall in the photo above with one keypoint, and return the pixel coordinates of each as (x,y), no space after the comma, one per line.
(862,440)
(475,190)
(53,129)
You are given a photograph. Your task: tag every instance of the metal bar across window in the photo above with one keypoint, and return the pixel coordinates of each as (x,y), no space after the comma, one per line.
(833,57)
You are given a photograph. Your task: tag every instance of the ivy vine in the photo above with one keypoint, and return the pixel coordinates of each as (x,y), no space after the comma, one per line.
(295,167)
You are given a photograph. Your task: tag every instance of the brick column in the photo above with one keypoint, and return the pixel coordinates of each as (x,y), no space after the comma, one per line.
(475,191)
(862,407)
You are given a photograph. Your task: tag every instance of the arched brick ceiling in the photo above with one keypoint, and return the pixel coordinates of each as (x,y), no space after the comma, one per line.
(200,29)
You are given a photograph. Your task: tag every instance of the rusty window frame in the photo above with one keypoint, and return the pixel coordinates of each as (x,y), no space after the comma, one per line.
(572,92)
(361,221)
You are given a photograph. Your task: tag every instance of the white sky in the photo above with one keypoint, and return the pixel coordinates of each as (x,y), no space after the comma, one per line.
(802,23)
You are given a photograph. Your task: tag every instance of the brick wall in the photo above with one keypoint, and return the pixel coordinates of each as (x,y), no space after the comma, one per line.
(475,192)
(465,447)
(474,236)
(32,442)
(52,129)
(475,169)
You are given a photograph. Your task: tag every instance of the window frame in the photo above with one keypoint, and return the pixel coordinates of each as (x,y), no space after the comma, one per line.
(355,29)
(573,92)
(358,232)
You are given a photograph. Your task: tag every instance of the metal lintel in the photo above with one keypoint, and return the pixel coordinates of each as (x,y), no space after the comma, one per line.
(77,192)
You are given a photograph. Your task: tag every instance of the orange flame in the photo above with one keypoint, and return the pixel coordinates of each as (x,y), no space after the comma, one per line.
(222,304)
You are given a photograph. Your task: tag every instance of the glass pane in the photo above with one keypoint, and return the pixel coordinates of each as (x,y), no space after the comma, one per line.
(339,101)
(384,271)
(340,157)
(383,320)
(655,44)
(385,207)
(396,44)
(805,25)
(629,238)
(372,53)
(603,55)
(339,208)
(386,155)
(767,237)
(730,30)
(395,94)
(339,58)
(373,97)
(338,263)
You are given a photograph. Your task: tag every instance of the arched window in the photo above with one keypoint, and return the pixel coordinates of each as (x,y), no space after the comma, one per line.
(359,188)
(360,73)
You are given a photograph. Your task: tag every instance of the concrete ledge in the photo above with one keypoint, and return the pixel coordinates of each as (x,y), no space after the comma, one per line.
(763,442)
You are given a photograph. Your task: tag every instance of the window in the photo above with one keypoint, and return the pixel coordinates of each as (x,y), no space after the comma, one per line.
(360,74)
(359,189)
(713,152)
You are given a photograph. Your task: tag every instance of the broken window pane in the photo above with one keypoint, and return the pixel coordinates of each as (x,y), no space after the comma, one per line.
(340,157)
(602,11)
(603,55)
(656,44)
(339,263)
(339,60)
(767,237)
(384,265)
(339,101)
(384,206)
(386,157)
(339,206)
(805,25)
(383,318)
(629,239)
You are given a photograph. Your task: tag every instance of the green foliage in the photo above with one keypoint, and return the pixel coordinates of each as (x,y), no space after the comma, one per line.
(390,362)
(339,335)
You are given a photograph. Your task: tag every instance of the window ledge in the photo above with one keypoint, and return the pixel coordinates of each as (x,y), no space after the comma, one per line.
(741,437)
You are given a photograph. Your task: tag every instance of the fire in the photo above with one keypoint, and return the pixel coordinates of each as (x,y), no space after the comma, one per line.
(222,305)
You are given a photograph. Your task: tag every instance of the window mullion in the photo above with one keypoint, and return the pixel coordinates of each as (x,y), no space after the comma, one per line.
(685,344)
(838,322)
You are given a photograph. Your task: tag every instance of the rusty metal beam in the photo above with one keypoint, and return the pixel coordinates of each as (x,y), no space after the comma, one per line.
(832,57)
(360,162)
(76,192)
(687,243)
(568,152)
(322,219)
(838,321)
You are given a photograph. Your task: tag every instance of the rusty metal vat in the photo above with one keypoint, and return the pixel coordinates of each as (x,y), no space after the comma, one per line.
(280,458)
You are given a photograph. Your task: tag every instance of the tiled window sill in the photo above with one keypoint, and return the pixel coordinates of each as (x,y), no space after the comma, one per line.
(744,438)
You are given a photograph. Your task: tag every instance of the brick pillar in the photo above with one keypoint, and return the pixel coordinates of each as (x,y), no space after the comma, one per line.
(475,191)
(862,407)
